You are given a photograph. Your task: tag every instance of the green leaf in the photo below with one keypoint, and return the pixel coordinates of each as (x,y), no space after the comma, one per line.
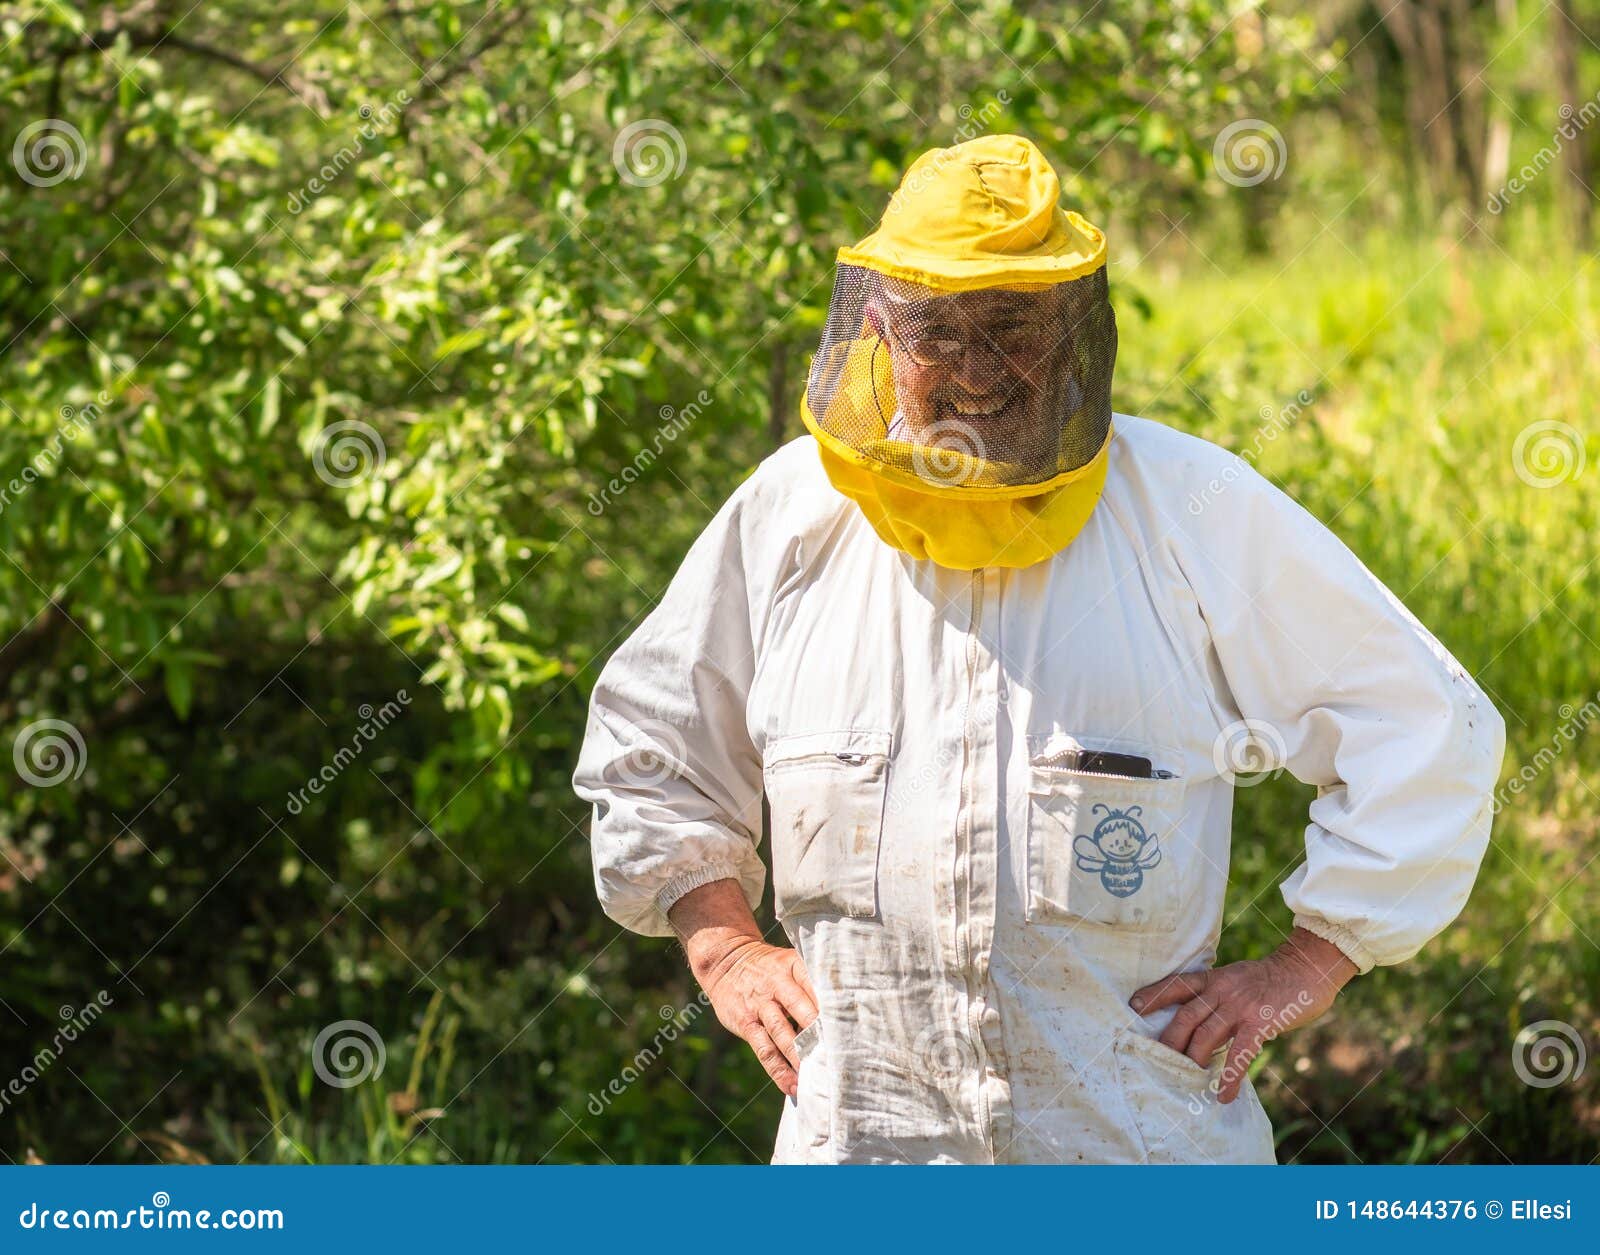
(180,685)
(270,397)
(513,614)
(441,570)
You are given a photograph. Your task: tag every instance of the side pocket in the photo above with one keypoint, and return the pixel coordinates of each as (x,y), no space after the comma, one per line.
(826,791)
(814,1093)
(1174,1106)
(1103,849)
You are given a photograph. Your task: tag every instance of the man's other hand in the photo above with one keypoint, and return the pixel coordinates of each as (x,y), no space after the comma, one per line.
(1251,1001)
(760,992)
(764,995)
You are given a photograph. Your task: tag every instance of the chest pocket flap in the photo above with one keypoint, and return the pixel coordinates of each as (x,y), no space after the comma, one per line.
(826,791)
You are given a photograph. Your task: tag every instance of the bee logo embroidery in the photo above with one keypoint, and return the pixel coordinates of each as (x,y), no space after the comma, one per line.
(1120,850)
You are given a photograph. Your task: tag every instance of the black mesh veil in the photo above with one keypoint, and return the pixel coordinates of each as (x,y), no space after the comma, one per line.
(993,388)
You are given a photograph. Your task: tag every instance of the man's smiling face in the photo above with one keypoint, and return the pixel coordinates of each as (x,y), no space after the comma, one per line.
(984,373)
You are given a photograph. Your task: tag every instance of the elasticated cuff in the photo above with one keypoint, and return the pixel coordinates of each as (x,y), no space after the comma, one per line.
(1350,944)
(669,893)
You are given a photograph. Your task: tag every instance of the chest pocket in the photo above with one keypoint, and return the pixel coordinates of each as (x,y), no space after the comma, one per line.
(1104,848)
(826,792)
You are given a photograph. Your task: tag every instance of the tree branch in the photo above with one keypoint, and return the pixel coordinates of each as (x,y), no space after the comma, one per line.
(156,38)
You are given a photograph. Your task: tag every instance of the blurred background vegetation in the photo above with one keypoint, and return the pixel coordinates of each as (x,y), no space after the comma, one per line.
(348,357)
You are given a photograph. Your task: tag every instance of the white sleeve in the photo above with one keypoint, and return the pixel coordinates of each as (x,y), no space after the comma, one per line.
(1342,685)
(667,758)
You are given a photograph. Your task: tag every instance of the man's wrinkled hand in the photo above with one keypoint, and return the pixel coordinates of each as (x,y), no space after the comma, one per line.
(763,994)
(1251,1001)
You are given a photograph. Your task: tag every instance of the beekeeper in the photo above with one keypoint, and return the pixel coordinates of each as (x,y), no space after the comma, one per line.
(995,658)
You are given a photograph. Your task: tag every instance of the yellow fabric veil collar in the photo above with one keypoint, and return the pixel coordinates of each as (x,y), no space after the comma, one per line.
(976,531)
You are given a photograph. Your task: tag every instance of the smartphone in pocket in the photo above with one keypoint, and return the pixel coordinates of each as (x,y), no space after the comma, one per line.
(1110,763)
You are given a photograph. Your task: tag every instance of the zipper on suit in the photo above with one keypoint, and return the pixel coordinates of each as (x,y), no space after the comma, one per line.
(976,1005)
(963,866)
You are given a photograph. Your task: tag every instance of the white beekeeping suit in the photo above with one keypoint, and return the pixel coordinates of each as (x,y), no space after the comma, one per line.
(974,899)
